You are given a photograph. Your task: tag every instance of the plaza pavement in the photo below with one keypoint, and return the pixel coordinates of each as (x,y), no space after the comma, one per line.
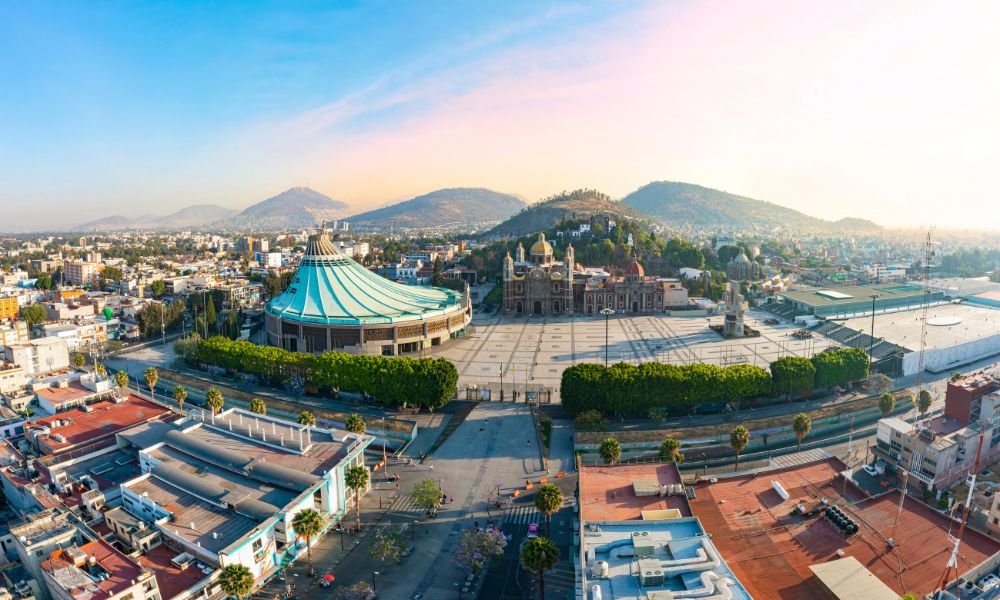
(534,350)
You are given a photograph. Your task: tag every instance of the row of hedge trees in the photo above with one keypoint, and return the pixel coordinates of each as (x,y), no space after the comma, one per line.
(635,389)
(429,382)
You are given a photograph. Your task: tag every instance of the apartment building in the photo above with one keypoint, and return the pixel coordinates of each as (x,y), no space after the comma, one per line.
(933,454)
(9,307)
(78,272)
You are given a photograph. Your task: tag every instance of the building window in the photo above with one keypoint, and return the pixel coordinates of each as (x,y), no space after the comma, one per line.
(318,499)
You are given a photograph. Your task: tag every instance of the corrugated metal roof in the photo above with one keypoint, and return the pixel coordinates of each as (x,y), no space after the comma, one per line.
(330,288)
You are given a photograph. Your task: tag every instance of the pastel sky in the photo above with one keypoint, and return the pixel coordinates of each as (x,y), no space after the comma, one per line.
(888,110)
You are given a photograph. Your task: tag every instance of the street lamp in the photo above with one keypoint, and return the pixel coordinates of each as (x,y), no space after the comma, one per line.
(871,345)
(607,312)
(374,573)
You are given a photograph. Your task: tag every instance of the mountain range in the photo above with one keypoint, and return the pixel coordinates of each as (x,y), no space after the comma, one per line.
(451,208)
(675,204)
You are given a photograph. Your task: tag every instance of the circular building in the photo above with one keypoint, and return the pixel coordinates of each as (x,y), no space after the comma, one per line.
(334,303)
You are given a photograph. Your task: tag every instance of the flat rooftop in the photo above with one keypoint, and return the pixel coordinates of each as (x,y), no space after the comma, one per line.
(107,470)
(121,571)
(607,494)
(770,551)
(843,295)
(57,396)
(196,520)
(903,328)
(81,425)
(677,550)
(170,579)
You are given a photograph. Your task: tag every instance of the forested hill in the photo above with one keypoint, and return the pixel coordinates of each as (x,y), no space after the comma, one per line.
(673,202)
(567,206)
(447,208)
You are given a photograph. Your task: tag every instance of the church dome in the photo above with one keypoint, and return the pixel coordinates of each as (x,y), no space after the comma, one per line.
(541,246)
(635,269)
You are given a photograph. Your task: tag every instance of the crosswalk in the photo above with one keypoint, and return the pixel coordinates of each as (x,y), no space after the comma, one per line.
(523,514)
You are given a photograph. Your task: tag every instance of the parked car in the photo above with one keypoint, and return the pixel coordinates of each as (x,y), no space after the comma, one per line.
(871,470)
(533,531)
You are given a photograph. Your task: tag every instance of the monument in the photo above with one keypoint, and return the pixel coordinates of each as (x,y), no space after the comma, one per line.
(734,309)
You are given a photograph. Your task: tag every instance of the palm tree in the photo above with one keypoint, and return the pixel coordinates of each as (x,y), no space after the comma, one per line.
(738,439)
(548,499)
(611,451)
(236,580)
(151,376)
(79,360)
(924,401)
(257,406)
(306,418)
(355,424)
(538,555)
(180,395)
(801,425)
(214,400)
(670,450)
(308,523)
(886,404)
(99,369)
(356,478)
(121,380)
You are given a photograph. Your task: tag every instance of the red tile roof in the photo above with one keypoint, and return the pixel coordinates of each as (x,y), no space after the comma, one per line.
(58,396)
(170,579)
(122,571)
(770,551)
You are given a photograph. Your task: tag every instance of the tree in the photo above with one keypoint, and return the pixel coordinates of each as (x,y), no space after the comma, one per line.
(924,401)
(591,420)
(257,406)
(121,380)
(356,478)
(355,424)
(791,374)
(214,400)
(801,425)
(670,450)
(236,580)
(99,369)
(308,523)
(306,418)
(611,451)
(886,404)
(112,274)
(548,499)
(738,439)
(879,382)
(387,546)
(180,395)
(79,360)
(151,375)
(361,590)
(43,281)
(158,288)
(426,495)
(955,376)
(539,555)
(34,315)
(210,315)
(477,546)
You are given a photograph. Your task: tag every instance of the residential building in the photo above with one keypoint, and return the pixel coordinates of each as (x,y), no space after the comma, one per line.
(39,356)
(60,311)
(9,308)
(90,424)
(12,378)
(77,272)
(13,332)
(933,454)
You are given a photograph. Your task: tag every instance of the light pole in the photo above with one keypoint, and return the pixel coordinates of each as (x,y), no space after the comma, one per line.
(871,345)
(374,573)
(501,382)
(607,312)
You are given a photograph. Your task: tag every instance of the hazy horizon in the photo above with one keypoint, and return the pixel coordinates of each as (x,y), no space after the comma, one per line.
(884,112)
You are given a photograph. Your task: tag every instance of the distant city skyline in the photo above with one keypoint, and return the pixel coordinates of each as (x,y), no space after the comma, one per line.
(881,111)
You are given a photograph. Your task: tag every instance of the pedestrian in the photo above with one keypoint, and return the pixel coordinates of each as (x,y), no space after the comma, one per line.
(477,524)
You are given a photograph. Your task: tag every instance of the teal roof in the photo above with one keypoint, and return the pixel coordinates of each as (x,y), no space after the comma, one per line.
(332,289)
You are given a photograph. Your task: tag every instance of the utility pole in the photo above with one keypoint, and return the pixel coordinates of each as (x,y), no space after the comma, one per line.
(925,280)
(957,540)
(501,382)
(871,345)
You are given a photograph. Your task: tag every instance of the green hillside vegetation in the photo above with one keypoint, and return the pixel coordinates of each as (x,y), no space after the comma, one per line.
(578,204)
(675,202)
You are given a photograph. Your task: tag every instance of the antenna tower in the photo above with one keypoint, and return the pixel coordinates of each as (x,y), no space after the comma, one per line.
(925,278)
(957,540)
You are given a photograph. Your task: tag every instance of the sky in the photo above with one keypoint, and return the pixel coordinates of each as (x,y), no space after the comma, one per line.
(883,110)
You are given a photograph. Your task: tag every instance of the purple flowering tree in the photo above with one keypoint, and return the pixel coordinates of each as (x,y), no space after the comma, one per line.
(477,546)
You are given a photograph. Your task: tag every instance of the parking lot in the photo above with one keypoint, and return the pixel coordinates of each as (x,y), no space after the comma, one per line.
(536,350)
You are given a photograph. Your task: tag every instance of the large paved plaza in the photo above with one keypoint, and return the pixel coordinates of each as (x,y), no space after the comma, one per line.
(536,350)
